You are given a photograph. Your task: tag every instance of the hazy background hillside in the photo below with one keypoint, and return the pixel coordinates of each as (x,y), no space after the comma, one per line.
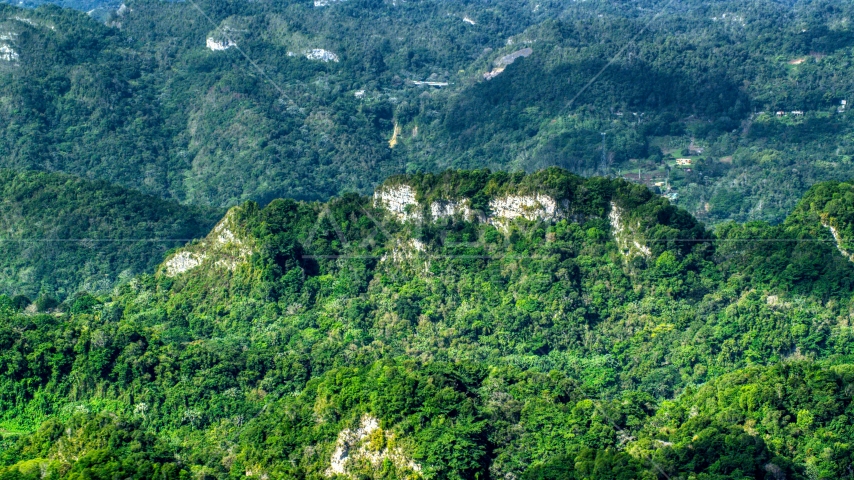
(142,100)
(62,235)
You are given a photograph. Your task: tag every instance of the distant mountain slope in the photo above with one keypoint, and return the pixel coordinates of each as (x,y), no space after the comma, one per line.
(95,8)
(60,234)
(731,108)
(466,324)
(144,103)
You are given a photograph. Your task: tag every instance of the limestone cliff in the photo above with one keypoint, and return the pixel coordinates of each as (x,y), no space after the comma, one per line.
(627,235)
(404,204)
(400,201)
(369,446)
(837,238)
(223,248)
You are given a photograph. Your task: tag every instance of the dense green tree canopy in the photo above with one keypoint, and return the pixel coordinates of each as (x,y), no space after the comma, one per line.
(440,347)
(141,99)
(62,235)
(480,323)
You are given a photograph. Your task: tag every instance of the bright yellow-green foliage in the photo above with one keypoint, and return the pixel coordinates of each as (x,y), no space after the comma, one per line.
(533,349)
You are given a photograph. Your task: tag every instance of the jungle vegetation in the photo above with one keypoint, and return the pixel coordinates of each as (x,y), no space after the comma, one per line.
(137,98)
(532,349)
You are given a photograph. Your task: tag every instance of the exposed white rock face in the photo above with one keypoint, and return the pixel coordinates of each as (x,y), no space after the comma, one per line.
(183,261)
(7,53)
(493,73)
(221,248)
(218,45)
(418,245)
(25,20)
(502,62)
(448,208)
(838,239)
(354,447)
(399,200)
(530,207)
(510,58)
(226,242)
(443,209)
(321,55)
(625,235)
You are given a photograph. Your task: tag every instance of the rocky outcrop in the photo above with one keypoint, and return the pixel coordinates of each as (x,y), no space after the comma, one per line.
(7,53)
(218,45)
(321,55)
(493,73)
(838,240)
(26,20)
(503,62)
(368,446)
(405,251)
(448,209)
(626,235)
(399,200)
(510,58)
(182,262)
(530,207)
(221,249)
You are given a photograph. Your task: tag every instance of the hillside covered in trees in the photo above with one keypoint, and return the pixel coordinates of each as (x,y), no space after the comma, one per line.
(218,102)
(644,270)
(466,324)
(62,235)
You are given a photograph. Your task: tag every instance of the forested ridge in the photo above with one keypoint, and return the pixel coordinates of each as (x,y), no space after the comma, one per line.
(488,240)
(60,235)
(614,337)
(142,98)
